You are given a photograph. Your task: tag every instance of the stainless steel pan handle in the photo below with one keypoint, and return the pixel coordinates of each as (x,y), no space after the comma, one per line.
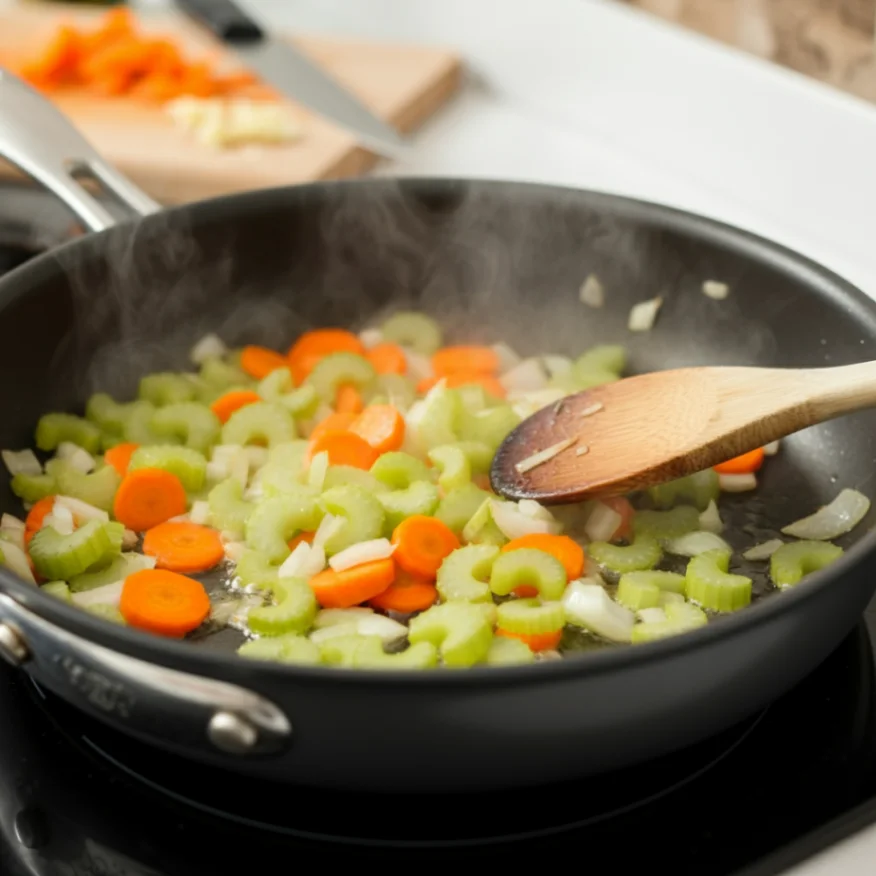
(37,138)
(159,704)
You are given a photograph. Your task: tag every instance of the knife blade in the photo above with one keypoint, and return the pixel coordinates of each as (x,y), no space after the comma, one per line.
(283,67)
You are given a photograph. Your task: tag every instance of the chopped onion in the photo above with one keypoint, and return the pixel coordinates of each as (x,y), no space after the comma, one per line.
(329,525)
(580,451)
(508,358)
(763,551)
(330,617)
(737,483)
(557,366)
(217,471)
(602,522)
(544,456)
(234,550)
(652,615)
(129,540)
(10,523)
(588,605)
(771,449)
(109,594)
(239,468)
(716,290)
(514,524)
(528,376)
(591,292)
(21,462)
(15,559)
(200,512)
(842,515)
(72,453)
(364,552)
(318,470)
(644,315)
(330,623)
(305,561)
(60,519)
(419,366)
(82,512)
(222,612)
(533,509)
(225,453)
(590,410)
(209,347)
(180,518)
(710,519)
(548,655)
(371,337)
(693,544)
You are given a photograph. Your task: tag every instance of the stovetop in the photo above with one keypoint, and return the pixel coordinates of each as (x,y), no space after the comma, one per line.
(77,798)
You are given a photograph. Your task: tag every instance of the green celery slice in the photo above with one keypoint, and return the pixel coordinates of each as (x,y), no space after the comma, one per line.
(490,427)
(289,455)
(294,611)
(414,330)
(190,466)
(528,567)
(530,617)
(792,562)
(363,516)
(606,357)
(482,529)
(229,511)
(644,553)
(698,489)
(32,488)
(262,422)
(464,573)
(53,429)
(106,612)
(420,498)
(479,455)
(343,475)
(98,488)
(708,583)
(58,589)
(459,506)
(57,556)
(399,470)
(669,582)
(637,594)
(193,424)
(256,570)
(288,648)
(117,569)
(167,388)
(579,378)
(106,413)
(302,403)
(340,369)
(508,652)
(272,387)
(461,631)
(441,411)
(276,520)
(681,617)
(366,652)
(453,464)
(666,525)
(223,375)
(138,425)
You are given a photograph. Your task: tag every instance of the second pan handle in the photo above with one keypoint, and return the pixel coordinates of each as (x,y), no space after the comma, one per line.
(41,141)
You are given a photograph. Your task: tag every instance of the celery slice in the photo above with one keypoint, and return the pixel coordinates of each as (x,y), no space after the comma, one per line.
(508,652)
(57,556)
(461,631)
(188,465)
(530,616)
(294,611)
(302,403)
(490,427)
(105,412)
(276,384)
(668,582)
(138,425)
(289,455)
(482,529)
(636,594)
(98,488)
(666,525)
(32,488)
(262,422)
(362,513)
(791,562)
(479,455)
(276,520)
(579,378)
(275,481)
(193,424)
(680,618)
(398,470)
(343,475)
(255,570)
(708,583)
(228,509)
(437,423)
(106,612)
(398,391)
(420,498)
(166,388)
(698,489)
(530,567)
(340,369)
(459,506)
(412,329)
(288,648)
(223,375)
(341,650)
(453,464)
(644,553)
(366,652)
(605,357)
(53,429)
(464,573)
(117,569)
(58,589)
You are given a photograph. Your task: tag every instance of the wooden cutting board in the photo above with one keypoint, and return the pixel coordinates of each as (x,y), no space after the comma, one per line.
(403,84)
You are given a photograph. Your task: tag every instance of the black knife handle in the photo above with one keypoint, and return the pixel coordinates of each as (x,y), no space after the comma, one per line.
(224,19)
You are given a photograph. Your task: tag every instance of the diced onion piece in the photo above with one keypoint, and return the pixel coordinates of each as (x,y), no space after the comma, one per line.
(217,471)
(544,456)
(82,512)
(644,315)
(842,515)
(419,366)
(364,622)
(514,524)
(771,449)
(763,551)
(129,540)
(737,483)
(591,292)
(602,522)
(329,525)
(60,519)
(364,552)
(109,594)
(692,544)
(710,519)
(651,615)
(557,366)
(527,376)
(209,347)
(590,410)
(331,617)
(222,612)
(508,358)
(21,462)
(10,523)
(588,605)
(305,561)
(533,509)
(16,561)
(15,536)
(234,550)
(371,337)
(78,458)
(318,470)
(200,512)
(716,290)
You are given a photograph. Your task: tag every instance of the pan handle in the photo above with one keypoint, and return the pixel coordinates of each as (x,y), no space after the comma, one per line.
(41,141)
(163,706)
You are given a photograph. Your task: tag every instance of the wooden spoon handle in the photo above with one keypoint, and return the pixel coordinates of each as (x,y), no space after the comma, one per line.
(841,390)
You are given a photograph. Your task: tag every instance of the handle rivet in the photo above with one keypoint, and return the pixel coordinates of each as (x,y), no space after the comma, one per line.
(13,648)
(232,733)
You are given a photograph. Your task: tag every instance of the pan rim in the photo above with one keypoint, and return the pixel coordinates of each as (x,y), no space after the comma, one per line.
(185,657)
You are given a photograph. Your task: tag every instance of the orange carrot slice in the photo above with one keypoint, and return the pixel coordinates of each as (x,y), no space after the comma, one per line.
(259,362)
(344,448)
(563,548)
(406,594)
(317,344)
(227,404)
(335,422)
(349,400)
(422,543)
(747,463)
(164,602)
(387,358)
(382,426)
(119,457)
(147,497)
(470,359)
(183,547)
(302,536)
(534,641)
(354,585)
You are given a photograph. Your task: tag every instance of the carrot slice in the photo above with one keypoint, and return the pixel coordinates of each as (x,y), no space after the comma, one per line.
(354,585)
(302,536)
(747,463)
(406,594)
(387,358)
(317,344)
(563,548)
(147,497)
(422,543)
(164,602)
(344,448)
(336,422)
(623,507)
(534,641)
(472,359)
(349,400)
(183,547)
(382,426)
(33,523)
(259,362)
(227,404)
(119,457)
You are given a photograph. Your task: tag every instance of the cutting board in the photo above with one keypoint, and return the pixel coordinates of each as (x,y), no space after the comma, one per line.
(403,84)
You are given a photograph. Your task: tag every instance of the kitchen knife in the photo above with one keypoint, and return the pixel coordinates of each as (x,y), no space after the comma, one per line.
(283,67)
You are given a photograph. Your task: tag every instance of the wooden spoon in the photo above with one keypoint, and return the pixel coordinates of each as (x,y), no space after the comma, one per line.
(649,429)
